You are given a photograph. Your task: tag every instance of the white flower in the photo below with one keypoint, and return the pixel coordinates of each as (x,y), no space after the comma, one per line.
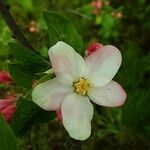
(77,82)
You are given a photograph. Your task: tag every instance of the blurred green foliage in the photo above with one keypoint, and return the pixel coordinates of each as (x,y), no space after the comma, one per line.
(8,136)
(124,24)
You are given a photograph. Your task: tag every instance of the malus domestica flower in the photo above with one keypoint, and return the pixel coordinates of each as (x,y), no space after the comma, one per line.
(77,82)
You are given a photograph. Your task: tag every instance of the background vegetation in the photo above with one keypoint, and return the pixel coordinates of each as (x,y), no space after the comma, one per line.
(124,24)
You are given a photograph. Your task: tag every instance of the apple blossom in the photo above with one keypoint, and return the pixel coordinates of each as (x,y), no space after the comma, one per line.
(77,82)
(94,46)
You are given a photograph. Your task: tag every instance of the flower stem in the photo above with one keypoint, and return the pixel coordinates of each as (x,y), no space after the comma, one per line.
(13,26)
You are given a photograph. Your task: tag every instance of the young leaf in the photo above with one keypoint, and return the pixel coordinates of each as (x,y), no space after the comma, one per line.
(27,114)
(61,28)
(28,64)
(22,74)
(25,56)
(7,139)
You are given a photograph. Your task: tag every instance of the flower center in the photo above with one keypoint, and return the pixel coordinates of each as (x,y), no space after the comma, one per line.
(81,86)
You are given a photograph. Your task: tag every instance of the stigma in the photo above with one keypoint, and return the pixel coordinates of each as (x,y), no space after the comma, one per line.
(81,86)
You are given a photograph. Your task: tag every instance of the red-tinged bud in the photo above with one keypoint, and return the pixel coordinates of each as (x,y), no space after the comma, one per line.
(5,103)
(93,47)
(97,6)
(7,107)
(11,97)
(33,28)
(59,115)
(8,112)
(9,100)
(5,78)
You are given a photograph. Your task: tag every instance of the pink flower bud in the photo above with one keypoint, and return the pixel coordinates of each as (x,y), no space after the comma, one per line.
(93,47)
(5,78)
(8,112)
(93,3)
(59,115)
(33,28)
(4,103)
(11,97)
(7,107)
(97,5)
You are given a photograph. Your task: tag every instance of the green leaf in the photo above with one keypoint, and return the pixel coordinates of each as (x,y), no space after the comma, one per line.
(25,56)
(7,139)
(27,114)
(61,28)
(26,4)
(28,65)
(22,74)
(107,26)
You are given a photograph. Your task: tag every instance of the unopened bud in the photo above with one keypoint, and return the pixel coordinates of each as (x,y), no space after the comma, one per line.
(8,112)
(5,78)
(8,107)
(93,47)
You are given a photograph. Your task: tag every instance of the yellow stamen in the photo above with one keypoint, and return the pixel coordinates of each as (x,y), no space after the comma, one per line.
(82,86)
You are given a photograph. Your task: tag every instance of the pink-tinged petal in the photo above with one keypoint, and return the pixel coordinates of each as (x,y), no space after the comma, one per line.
(102,65)
(8,112)
(110,95)
(77,113)
(5,78)
(50,94)
(66,62)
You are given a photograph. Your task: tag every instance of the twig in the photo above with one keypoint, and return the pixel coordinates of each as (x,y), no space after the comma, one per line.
(13,26)
(15,29)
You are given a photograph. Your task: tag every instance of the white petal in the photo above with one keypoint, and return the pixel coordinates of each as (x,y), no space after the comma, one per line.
(102,65)
(66,62)
(77,113)
(50,94)
(110,95)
